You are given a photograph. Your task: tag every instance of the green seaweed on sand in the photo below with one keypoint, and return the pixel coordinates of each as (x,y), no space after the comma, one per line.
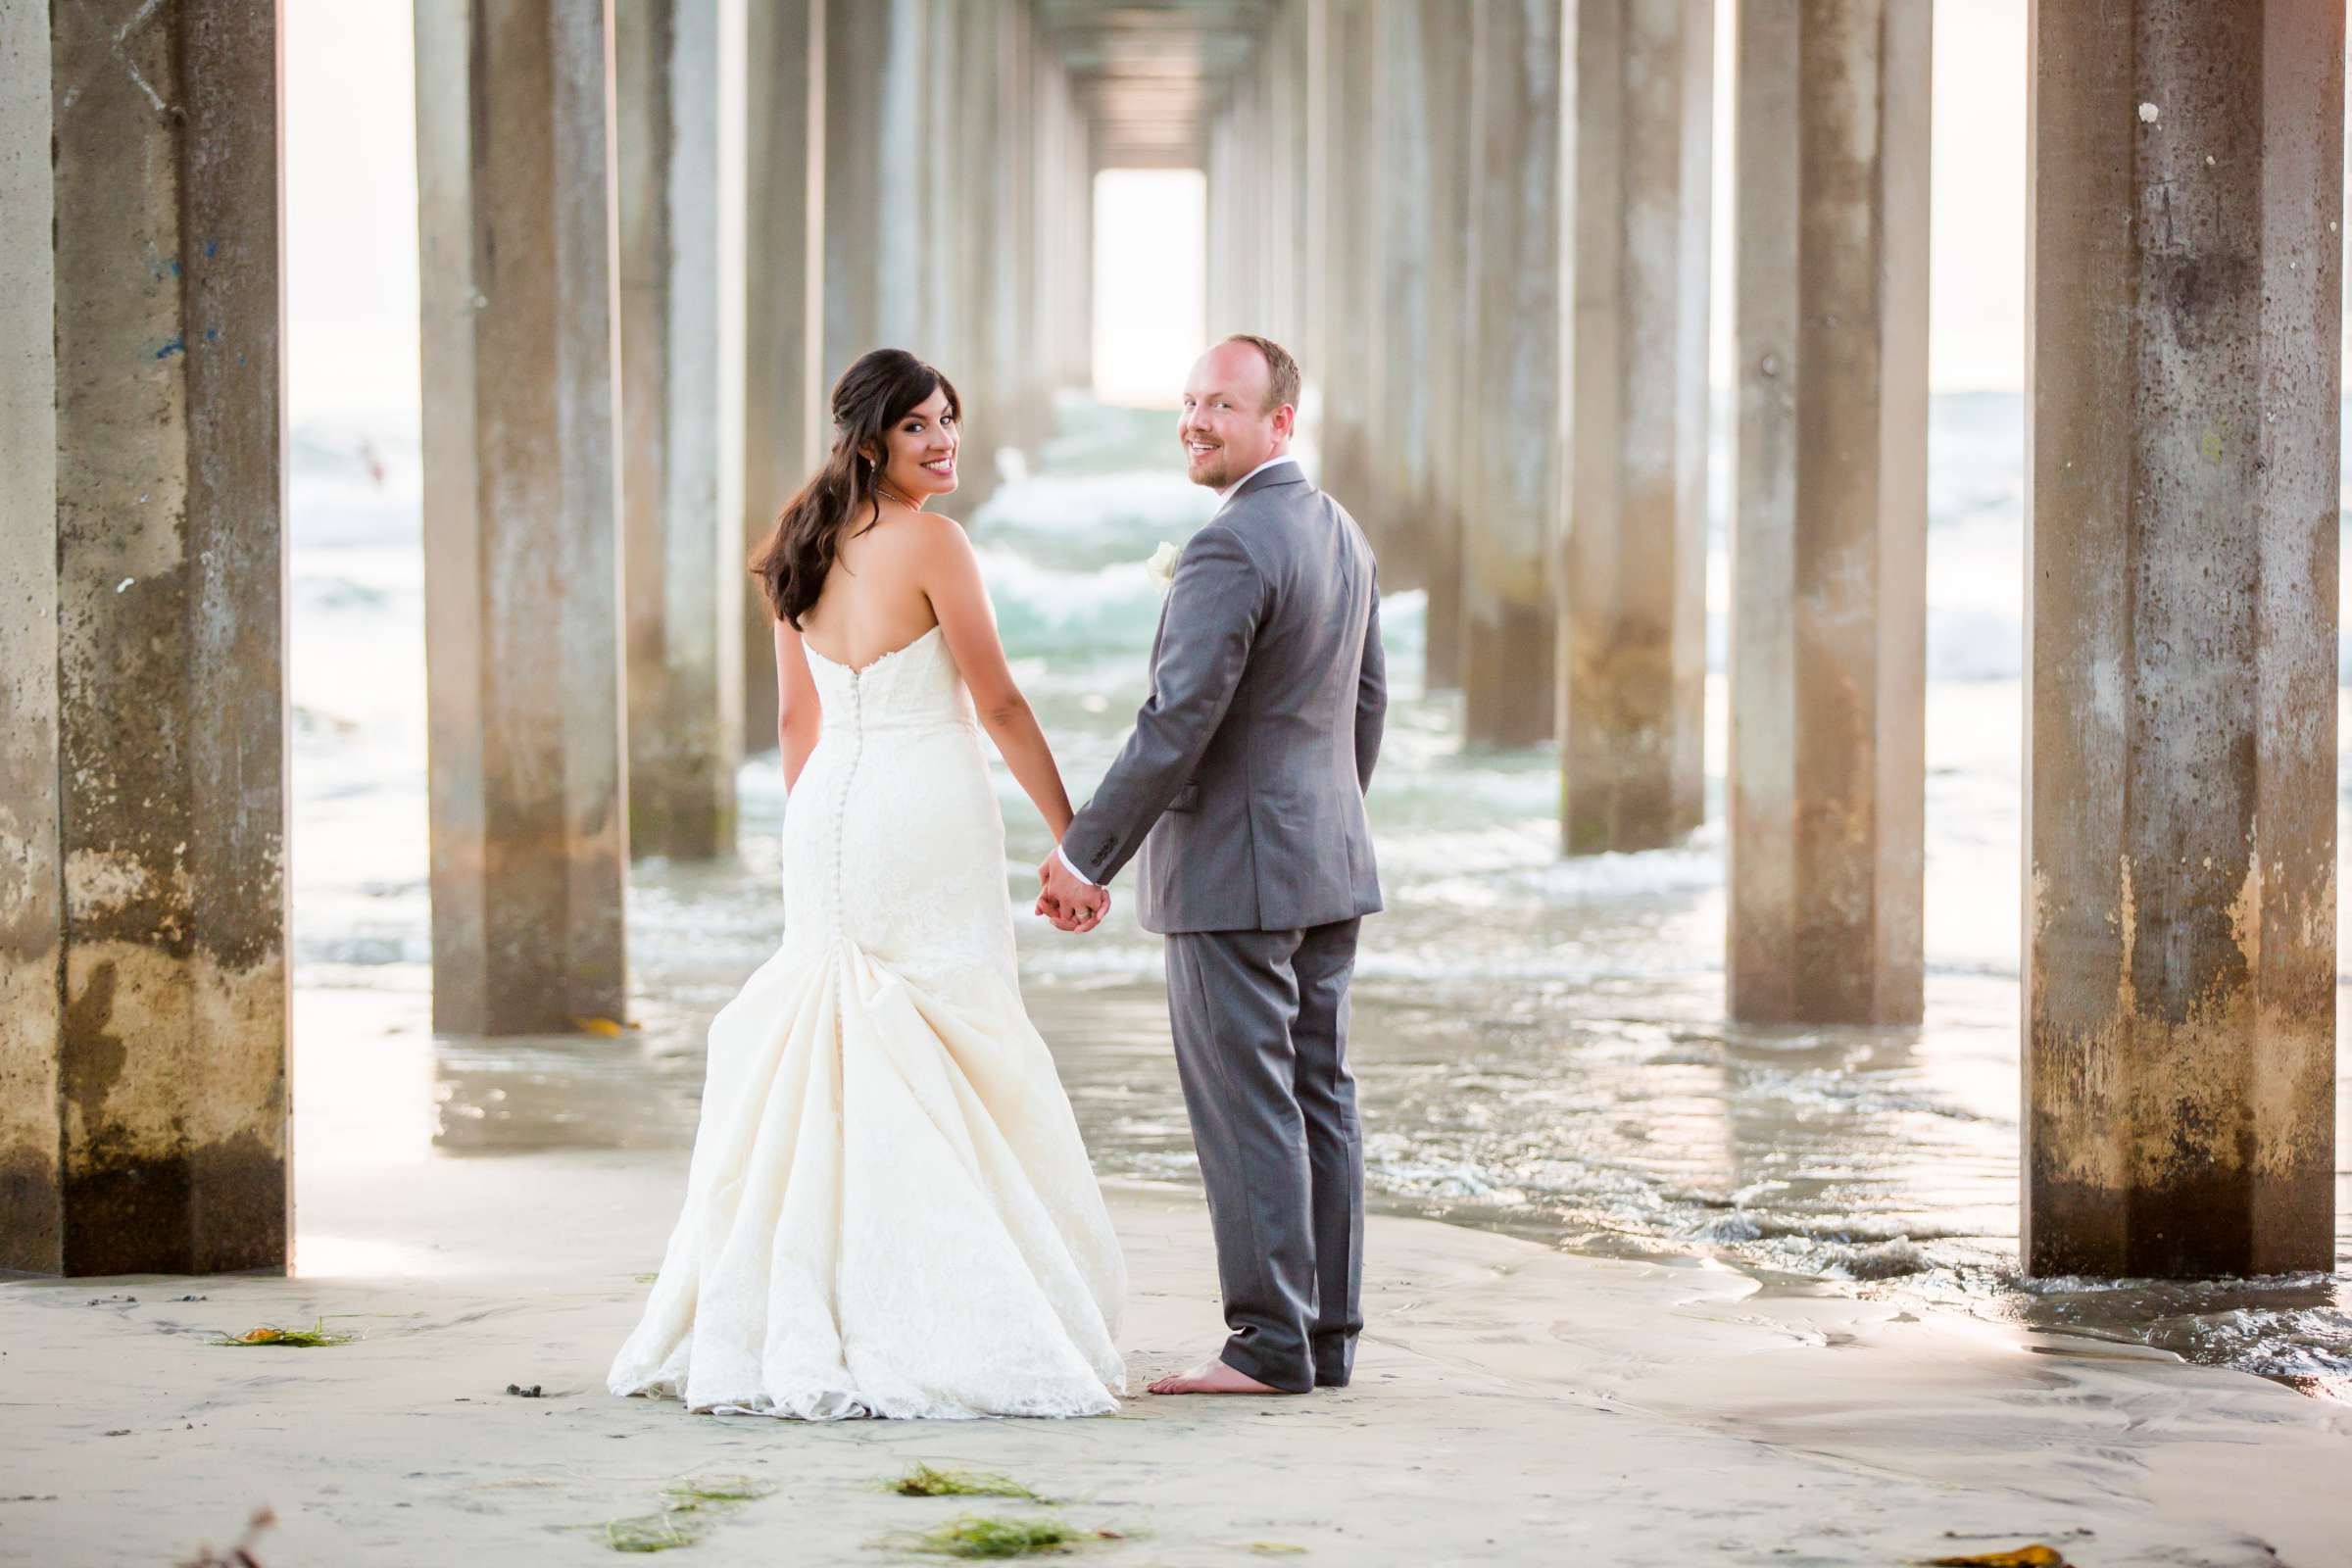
(717,1492)
(295,1339)
(689,1508)
(652,1532)
(973,1536)
(924,1481)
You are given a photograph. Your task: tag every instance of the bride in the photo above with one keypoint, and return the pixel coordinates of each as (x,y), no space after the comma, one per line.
(888,1212)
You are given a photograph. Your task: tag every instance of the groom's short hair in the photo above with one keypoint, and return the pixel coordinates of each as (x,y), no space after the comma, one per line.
(1282,372)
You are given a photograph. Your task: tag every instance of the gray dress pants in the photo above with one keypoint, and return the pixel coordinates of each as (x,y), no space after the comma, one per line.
(1260,1021)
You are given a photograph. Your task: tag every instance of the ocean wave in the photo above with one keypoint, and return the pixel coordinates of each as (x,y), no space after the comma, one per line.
(1090,521)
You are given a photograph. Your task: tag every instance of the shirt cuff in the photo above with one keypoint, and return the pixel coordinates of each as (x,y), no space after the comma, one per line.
(1071,866)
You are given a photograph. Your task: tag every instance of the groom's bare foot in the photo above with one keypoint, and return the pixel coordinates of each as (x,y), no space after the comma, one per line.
(1211,1376)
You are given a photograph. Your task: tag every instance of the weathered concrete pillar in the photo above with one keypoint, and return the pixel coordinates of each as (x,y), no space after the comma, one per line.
(1421,393)
(879,147)
(1300,143)
(786,426)
(680,566)
(523,579)
(1317,265)
(1513,501)
(1219,168)
(143,1062)
(1828,615)
(965,237)
(1281,90)
(1632,647)
(1016,311)
(987,143)
(1238,186)
(1351,194)
(1066,213)
(1065,230)
(2179,949)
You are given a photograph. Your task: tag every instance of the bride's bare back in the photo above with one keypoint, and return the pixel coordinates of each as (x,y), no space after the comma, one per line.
(874,601)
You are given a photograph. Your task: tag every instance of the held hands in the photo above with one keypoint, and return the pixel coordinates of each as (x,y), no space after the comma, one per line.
(1071,904)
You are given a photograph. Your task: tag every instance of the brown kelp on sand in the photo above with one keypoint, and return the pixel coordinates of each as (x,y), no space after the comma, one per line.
(271,1333)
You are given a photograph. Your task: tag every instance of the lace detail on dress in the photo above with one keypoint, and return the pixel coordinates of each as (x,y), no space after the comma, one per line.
(889,1210)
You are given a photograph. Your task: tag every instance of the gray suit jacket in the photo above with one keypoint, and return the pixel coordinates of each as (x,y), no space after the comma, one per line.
(1243,782)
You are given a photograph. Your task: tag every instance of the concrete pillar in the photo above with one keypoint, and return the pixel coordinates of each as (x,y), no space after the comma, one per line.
(1294,225)
(1062,213)
(1018,310)
(787,428)
(1002,134)
(1633,649)
(1237,175)
(1219,169)
(1514,496)
(1282,156)
(682,568)
(1828,633)
(1073,219)
(1049,198)
(1317,264)
(143,1062)
(1351,193)
(1421,393)
(965,237)
(878,149)
(2181,522)
(1238,178)
(522,577)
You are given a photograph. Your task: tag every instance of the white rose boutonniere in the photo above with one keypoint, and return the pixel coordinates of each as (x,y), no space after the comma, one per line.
(1162,566)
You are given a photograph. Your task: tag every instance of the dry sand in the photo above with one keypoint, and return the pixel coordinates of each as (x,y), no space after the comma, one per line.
(1512,1404)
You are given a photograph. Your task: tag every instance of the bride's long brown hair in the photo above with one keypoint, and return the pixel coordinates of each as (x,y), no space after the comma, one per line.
(872,394)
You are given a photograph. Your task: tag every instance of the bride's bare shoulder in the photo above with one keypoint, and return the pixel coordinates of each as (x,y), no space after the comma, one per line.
(921,537)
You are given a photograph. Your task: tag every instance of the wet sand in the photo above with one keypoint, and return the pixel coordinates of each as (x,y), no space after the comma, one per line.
(1513,1404)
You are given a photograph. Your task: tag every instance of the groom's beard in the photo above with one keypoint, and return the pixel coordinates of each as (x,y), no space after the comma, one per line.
(1213,471)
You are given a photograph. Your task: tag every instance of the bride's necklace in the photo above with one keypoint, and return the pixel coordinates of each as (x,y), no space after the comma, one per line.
(882,489)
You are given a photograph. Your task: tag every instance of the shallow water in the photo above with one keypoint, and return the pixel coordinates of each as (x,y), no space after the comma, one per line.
(1540,1043)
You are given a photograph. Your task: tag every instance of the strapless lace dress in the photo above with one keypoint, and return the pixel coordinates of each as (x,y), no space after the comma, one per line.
(889,1210)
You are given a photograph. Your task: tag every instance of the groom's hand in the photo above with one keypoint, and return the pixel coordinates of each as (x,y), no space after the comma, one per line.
(1070,904)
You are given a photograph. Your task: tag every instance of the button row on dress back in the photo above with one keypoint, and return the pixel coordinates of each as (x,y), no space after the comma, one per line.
(841,807)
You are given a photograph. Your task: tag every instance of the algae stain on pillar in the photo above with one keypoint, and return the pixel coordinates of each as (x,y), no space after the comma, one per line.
(2179,993)
(143,1062)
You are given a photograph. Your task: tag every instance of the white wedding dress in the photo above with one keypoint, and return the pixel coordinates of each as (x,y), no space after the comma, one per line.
(889,1210)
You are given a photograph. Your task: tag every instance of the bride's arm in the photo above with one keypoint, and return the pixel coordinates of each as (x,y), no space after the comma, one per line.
(799,713)
(952,581)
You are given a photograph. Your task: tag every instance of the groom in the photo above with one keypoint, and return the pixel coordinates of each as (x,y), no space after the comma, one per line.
(1242,786)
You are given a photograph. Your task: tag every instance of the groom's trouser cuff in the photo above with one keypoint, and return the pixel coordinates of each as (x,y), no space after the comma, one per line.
(1237,1356)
